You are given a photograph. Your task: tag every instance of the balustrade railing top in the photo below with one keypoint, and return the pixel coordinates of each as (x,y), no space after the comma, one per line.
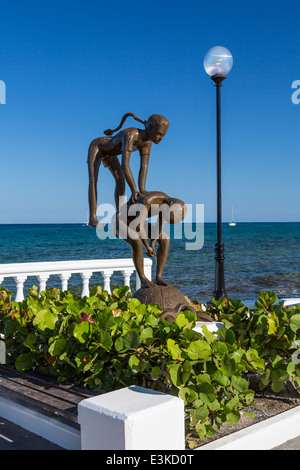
(43,270)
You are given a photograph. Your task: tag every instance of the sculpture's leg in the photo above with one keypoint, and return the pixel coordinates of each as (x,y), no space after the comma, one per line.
(162,255)
(93,168)
(138,260)
(117,172)
(125,232)
(96,172)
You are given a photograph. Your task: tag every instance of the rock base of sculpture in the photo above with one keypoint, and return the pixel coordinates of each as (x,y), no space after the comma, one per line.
(170,299)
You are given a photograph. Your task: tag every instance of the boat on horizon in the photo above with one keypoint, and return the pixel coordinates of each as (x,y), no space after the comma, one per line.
(87,220)
(233,222)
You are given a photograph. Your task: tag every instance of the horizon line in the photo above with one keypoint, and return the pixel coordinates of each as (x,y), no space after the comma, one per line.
(192,222)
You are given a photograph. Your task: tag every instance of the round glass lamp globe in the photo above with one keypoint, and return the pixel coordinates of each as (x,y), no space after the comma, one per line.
(218,61)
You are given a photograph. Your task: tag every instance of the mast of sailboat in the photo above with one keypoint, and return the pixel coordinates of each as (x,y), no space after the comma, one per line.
(232,220)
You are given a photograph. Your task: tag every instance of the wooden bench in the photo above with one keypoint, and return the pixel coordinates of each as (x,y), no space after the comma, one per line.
(42,392)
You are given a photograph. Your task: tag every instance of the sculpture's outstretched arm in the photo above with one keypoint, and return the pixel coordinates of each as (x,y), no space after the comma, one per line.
(145,155)
(128,173)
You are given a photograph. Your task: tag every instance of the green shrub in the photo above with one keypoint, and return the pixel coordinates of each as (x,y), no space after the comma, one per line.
(108,342)
(269,331)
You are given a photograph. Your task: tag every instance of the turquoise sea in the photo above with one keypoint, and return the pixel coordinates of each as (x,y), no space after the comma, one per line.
(258,256)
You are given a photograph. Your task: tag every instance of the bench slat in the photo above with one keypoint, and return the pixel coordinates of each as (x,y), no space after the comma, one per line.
(43,393)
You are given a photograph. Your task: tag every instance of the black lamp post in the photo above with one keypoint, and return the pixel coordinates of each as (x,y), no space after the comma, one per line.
(218,63)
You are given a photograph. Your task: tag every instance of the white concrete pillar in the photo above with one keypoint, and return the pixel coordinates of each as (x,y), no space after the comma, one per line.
(211,326)
(64,281)
(20,279)
(43,278)
(148,272)
(126,275)
(133,418)
(137,281)
(85,276)
(106,276)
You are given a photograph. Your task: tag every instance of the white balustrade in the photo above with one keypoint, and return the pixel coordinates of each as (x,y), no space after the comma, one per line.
(43,278)
(85,283)
(64,277)
(106,276)
(126,274)
(64,269)
(20,279)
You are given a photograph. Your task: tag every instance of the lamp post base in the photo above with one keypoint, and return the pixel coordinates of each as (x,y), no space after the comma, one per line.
(220,290)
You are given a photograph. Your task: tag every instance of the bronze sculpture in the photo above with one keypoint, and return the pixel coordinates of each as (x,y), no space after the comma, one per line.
(107,149)
(130,221)
(150,204)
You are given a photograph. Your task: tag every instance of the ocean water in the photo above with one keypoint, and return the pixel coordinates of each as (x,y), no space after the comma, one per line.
(258,256)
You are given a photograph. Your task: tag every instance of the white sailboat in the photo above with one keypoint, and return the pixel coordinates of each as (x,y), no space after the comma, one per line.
(87,220)
(233,222)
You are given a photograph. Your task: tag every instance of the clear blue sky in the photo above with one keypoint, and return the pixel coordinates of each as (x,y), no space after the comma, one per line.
(73,68)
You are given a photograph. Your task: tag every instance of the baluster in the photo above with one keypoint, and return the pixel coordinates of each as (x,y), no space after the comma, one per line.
(85,276)
(137,281)
(20,284)
(126,274)
(43,278)
(106,276)
(148,272)
(64,277)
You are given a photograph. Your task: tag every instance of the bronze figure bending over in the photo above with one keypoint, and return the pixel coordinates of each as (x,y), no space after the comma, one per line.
(106,150)
(130,224)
